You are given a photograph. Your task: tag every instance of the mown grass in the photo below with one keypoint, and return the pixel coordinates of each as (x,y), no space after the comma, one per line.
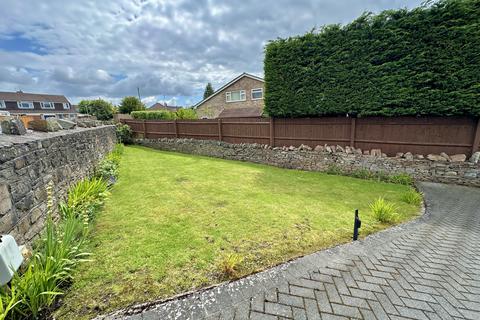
(172,218)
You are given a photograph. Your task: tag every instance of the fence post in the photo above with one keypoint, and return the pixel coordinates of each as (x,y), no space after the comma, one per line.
(220,136)
(272,132)
(176,127)
(476,138)
(144,129)
(353,123)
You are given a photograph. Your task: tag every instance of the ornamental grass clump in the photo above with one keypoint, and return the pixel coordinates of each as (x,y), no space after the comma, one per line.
(412,197)
(229,264)
(383,210)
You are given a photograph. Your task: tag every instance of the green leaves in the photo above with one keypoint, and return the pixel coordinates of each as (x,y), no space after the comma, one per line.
(419,62)
(130,104)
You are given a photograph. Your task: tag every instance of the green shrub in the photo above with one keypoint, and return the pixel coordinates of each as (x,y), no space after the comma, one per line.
(186,114)
(124,133)
(401,178)
(383,210)
(130,104)
(107,169)
(99,108)
(154,115)
(412,197)
(399,62)
(87,196)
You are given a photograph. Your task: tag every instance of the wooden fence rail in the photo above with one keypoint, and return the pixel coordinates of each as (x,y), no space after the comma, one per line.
(401,134)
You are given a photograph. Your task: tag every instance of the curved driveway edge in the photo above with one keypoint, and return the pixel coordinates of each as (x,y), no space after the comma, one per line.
(425,269)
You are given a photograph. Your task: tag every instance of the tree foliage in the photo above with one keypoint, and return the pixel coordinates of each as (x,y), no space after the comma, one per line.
(208,91)
(183,113)
(420,62)
(99,108)
(130,104)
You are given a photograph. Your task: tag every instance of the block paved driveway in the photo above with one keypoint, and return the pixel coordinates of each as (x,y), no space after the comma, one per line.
(426,269)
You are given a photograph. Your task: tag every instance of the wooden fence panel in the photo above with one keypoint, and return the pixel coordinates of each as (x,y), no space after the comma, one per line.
(312,132)
(248,130)
(416,135)
(198,129)
(420,135)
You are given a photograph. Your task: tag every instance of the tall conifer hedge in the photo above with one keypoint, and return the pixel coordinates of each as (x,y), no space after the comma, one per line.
(420,62)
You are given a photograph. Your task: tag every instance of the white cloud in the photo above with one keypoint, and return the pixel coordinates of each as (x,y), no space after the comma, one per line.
(108,48)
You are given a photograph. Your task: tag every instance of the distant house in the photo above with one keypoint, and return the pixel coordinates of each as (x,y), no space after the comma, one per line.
(244,92)
(42,105)
(164,106)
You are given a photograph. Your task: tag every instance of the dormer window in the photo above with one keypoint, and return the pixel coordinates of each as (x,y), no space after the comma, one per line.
(25,104)
(47,105)
(2,104)
(66,105)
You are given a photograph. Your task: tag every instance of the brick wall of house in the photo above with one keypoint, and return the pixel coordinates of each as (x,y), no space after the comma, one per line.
(212,108)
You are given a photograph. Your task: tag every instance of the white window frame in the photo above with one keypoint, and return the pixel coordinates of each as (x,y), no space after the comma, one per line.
(51,105)
(30,104)
(46,116)
(2,104)
(66,106)
(256,89)
(228,96)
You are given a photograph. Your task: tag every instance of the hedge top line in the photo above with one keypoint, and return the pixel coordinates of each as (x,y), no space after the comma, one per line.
(424,61)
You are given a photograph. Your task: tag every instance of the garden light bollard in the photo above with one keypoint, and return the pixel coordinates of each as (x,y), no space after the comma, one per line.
(356,225)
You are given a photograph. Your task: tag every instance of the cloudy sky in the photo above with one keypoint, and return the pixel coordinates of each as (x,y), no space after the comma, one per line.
(168,48)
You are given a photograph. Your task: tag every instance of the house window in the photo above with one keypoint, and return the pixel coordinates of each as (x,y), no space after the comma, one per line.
(66,106)
(25,105)
(257,94)
(2,104)
(48,116)
(47,105)
(233,96)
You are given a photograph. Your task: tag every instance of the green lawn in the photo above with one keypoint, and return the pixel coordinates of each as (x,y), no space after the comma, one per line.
(172,217)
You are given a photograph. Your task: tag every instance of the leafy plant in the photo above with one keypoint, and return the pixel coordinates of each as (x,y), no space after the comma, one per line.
(87,195)
(412,197)
(154,115)
(402,178)
(9,299)
(383,210)
(107,169)
(99,108)
(130,104)
(186,113)
(229,263)
(124,133)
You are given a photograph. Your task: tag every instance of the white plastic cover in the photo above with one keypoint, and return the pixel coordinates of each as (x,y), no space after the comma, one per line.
(10,258)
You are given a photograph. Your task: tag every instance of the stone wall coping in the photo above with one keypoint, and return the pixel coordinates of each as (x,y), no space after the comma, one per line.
(7,140)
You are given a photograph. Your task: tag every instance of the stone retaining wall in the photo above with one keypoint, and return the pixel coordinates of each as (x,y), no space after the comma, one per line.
(324,158)
(28,163)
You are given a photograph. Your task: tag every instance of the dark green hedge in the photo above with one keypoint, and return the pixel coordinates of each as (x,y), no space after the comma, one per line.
(420,62)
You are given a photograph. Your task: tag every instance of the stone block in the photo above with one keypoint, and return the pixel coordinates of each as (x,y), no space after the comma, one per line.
(376,152)
(435,157)
(38,125)
(475,158)
(66,124)
(458,158)
(13,126)
(446,156)
(5,200)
